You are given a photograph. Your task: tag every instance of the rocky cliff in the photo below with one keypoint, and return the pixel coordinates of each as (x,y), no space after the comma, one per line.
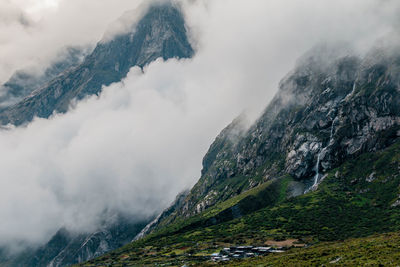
(331,108)
(25,81)
(321,163)
(66,247)
(160,33)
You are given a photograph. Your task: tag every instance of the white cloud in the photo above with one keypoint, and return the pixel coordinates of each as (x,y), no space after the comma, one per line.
(36,7)
(141,142)
(33,32)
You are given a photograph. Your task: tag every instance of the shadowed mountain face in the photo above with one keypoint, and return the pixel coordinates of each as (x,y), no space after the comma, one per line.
(160,33)
(322,162)
(23,82)
(329,109)
(66,248)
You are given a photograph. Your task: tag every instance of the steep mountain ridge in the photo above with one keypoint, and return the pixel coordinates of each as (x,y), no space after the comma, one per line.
(327,146)
(23,82)
(66,247)
(161,32)
(329,109)
(322,163)
(359,198)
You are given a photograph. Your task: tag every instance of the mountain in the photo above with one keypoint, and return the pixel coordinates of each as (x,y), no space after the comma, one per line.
(322,163)
(329,109)
(24,82)
(66,247)
(359,199)
(160,33)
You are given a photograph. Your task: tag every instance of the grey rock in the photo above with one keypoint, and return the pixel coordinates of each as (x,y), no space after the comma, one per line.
(331,106)
(371,177)
(161,33)
(67,248)
(25,81)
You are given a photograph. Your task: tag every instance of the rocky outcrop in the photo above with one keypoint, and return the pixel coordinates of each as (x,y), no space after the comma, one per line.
(25,81)
(330,108)
(67,248)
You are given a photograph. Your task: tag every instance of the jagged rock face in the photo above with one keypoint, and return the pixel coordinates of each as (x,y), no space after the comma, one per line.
(23,82)
(161,33)
(66,248)
(326,111)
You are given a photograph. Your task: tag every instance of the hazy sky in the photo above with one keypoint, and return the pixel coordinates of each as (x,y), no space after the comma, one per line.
(142,141)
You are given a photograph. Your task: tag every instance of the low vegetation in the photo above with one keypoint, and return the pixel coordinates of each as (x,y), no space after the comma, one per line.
(354,202)
(377,250)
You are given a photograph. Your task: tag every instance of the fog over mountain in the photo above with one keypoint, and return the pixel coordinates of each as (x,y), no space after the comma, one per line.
(33,32)
(134,147)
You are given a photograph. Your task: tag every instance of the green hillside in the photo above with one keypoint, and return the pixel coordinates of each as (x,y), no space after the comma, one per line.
(377,250)
(357,199)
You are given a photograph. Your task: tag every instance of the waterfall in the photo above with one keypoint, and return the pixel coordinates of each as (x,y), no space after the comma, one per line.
(316,168)
(332,129)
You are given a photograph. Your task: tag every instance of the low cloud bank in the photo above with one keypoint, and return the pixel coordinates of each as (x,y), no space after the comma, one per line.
(138,144)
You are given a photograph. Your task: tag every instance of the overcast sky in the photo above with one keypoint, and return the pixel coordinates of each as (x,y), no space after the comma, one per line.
(142,141)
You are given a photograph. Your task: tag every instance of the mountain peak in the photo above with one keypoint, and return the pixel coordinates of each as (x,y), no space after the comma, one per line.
(159,33)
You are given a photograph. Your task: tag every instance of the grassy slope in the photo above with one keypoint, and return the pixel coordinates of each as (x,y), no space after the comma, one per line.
(377,250)
(346,205)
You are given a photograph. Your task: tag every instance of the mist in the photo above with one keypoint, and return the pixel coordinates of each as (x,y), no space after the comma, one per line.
(137,145)
(35,32)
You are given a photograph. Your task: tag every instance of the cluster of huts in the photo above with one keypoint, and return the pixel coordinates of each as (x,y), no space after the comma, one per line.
(241,252)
